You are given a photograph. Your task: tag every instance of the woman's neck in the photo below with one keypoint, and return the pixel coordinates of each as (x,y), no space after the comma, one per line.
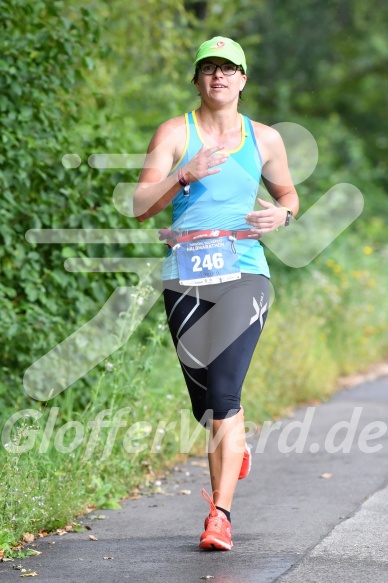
(218,122)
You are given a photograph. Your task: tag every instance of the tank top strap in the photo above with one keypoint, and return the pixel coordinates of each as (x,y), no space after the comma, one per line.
(195,142)
(249,125)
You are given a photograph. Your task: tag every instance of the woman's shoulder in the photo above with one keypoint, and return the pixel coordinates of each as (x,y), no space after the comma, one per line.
(171,129)
(268,138)
(265,132)
(173,123)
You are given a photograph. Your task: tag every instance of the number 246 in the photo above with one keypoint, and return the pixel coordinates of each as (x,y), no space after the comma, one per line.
(208,262)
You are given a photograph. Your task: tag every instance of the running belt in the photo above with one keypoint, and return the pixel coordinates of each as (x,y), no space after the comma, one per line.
(174,237)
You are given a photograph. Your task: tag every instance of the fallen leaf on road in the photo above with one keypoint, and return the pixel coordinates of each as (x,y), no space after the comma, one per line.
(98,517)
(107,558)
(136,497)
(68,527)
(33,574)
(6,559)
(28,537)
(326,475)
(200,464)
(17,567)
(1,554)
(91,537)
(186,492)
(77,527)
(61,531)
(42,534)
(208,577)
(88,527)
(34,553)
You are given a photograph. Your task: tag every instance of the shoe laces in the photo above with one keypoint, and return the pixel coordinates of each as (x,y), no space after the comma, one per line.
(216,519)
(210,499)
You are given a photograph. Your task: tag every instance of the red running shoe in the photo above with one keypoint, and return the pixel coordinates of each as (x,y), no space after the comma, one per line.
(218,530)
(247,459)
(244,471)
(246,463)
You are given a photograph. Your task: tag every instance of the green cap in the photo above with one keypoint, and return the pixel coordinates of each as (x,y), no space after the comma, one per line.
(225,48)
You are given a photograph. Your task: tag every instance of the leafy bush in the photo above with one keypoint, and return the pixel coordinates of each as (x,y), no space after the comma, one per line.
(44,51)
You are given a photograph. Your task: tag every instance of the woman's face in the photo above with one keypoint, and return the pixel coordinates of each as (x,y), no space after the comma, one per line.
(218,86)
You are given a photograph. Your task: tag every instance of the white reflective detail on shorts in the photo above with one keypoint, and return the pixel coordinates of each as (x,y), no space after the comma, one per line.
(257,310)
(193,379)
(201,364)
(177,302)
(259,313)
(180,343)
(190,313)
(263,310)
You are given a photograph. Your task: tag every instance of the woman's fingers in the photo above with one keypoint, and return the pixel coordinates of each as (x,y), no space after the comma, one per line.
(205,161)
(214,159)
(267,220)
(217,159)
(210,151)
(257,217)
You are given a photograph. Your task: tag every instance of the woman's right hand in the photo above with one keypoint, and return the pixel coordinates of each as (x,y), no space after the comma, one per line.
(203,163)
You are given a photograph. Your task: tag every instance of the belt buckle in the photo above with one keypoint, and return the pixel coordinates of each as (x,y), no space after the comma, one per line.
(181,233)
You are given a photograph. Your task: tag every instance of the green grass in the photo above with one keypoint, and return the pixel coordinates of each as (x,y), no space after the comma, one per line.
(333,323)
(325,322)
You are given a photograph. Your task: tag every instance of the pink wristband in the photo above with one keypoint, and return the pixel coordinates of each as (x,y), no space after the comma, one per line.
(181,178)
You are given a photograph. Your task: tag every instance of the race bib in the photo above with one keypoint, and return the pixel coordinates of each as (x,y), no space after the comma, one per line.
(207,261)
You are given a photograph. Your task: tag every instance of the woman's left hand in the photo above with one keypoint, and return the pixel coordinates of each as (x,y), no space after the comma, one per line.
(268,219)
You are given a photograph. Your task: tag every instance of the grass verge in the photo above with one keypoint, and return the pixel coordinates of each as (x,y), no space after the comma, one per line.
(114,440)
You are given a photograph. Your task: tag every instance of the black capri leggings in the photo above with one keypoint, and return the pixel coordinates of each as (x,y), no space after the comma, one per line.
(215,329)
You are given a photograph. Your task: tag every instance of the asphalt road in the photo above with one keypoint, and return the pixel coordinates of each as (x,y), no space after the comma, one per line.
(290,524)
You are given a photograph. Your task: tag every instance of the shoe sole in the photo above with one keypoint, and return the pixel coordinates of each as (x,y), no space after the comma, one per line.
(212,543)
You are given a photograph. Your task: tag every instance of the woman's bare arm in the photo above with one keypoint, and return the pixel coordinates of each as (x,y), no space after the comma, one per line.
(156,188)
(277,179)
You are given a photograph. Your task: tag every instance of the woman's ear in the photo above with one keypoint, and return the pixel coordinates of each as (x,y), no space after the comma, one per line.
(243,81)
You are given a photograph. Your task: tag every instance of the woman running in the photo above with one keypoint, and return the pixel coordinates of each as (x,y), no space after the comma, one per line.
(208,163)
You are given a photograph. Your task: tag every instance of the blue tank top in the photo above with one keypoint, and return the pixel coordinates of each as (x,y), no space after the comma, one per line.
(221,201)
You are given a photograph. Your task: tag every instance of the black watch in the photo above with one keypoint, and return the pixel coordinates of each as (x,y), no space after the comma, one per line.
(288,218)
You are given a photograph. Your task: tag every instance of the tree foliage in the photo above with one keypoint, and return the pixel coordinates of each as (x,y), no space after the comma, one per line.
(44,51)
(98,77)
